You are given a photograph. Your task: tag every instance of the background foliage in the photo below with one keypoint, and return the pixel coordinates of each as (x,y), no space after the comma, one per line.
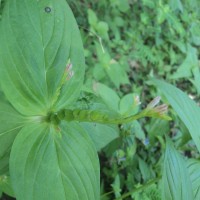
(126,43)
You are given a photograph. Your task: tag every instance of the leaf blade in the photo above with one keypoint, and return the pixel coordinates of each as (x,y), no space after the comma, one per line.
(186,108)
(69,172)
(176,184)
(33,61)
(11,123)
(101,134)
(193,167)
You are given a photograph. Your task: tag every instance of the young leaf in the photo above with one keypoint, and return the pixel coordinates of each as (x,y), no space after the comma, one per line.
(51,163)
(186,108)
(43,38)
(176,181)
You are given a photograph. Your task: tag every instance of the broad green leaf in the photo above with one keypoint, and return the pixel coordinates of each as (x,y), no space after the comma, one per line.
(108,96)
(186,108)
(101,134)
(194,170)
(43,39)
(11,124)
(71,90)
(129,104)
(51,163)
(116,73)
(176,184)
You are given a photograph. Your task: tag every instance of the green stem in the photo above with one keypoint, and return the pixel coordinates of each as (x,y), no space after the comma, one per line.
(105,118)
(106,194)
(138,189)
(97,116)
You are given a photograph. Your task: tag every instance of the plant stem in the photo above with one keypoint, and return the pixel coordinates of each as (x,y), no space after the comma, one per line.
(97,116)
(138,189)
(106,194)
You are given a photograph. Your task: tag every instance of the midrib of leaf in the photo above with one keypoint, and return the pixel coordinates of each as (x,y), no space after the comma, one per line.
(169,186)
(70,161)
(42,41)
(61,173)
(170,176)
(28,155)
(78,142)
(57,94)
(61,84)
(39,163)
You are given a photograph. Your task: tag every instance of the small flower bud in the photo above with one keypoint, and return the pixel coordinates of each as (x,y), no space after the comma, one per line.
(162,109)
(69,71)
(154,102)
(69,67)
(70,75)
(137,100)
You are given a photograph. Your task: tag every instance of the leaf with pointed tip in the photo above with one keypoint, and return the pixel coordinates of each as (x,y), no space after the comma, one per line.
(48,163)
(43,38)
(176,183)
(185,107)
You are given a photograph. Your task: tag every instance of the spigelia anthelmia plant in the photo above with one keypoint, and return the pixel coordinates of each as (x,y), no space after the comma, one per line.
(44,151)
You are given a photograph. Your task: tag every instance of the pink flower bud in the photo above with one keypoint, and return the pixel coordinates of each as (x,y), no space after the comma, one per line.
(137,100)
(69,67)
(162,109)
(154,102)
(69,71)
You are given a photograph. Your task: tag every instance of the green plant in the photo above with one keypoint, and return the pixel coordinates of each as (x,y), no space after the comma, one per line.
(45,151)
(146,38)
(53,123)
